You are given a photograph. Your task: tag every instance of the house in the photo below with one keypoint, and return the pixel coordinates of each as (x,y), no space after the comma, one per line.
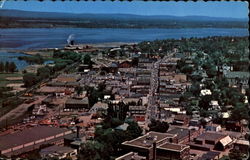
(76,104)
(137,110)
(213,127)
(238,78)
(205,92)
(214,105)
(233,126)
(181,119)
(131,156)
(99,107)
(59,152)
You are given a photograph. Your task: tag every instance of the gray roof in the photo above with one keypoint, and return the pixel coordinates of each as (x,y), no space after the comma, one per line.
(77,101)
(237,74)
(55,149)
(28,135)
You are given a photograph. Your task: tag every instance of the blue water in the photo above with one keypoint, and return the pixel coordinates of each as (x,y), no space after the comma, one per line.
(27,38)
(13,57)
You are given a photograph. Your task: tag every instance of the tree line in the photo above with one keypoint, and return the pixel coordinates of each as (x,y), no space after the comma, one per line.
(8,67)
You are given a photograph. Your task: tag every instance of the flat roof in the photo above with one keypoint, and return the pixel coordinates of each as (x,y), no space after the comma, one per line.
(56,149)
(130,156)
(181,132)
(28,135)
(211,136)
(173,147)
(147,140)
(77,101)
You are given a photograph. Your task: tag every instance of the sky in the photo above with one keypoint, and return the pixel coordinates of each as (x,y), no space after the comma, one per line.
(212,9)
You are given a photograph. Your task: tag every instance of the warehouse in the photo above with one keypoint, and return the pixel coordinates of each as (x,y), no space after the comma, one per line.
(30,139)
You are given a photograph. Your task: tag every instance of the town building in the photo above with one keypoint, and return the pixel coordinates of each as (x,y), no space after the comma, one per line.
(76,104)
(30,139)
(146,145)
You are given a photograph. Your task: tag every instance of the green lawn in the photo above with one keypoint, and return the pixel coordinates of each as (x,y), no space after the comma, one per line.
(4,81)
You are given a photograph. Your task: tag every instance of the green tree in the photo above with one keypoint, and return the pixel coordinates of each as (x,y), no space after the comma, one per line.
(6,67)
(134,130)
(158,126)
(93,150)
(1,67)
(12,67)
(235,154)
(43,72)
(239,112)
(29,79)
(86,59)
(79,90)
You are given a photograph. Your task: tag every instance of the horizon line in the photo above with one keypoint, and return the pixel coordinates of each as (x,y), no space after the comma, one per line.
(127,14)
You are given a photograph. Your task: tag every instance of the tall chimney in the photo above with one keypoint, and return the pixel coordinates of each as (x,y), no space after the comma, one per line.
(154,151)
(77,131)
(189,136)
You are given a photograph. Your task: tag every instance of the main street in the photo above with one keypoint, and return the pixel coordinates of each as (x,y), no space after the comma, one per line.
(153,106)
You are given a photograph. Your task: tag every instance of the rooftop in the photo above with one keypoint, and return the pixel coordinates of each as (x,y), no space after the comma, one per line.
(237,74)
(130,156)
(181,132)
(147,140)
(173,147)
(28,135)
(77,101)
(55,149)
(211,136)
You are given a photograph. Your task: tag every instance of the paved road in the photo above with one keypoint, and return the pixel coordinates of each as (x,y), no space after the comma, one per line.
(19,110)
(153,106)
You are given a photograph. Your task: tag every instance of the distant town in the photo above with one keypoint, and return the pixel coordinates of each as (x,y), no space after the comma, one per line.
(183,99)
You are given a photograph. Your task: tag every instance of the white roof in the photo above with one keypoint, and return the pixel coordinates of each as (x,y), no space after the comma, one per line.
(225,141)
(214,103)
(225,115)
(205,92)
(243,142)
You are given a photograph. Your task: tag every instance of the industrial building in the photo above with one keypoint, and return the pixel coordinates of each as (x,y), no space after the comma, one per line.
(29,139)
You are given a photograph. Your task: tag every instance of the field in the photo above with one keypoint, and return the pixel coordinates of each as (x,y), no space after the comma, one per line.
(7,78)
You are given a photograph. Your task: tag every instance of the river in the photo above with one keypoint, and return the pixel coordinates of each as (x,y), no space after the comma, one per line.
(37,38)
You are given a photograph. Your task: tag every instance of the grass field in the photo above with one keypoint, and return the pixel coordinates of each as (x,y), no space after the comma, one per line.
(4,81)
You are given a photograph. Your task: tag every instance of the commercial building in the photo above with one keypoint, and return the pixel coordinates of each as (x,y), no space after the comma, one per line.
(173,151)
(76,104)
(155,145)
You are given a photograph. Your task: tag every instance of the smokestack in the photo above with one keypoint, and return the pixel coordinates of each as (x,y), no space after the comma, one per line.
(70,39)
(154,151)
(77,131)
(189,136)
